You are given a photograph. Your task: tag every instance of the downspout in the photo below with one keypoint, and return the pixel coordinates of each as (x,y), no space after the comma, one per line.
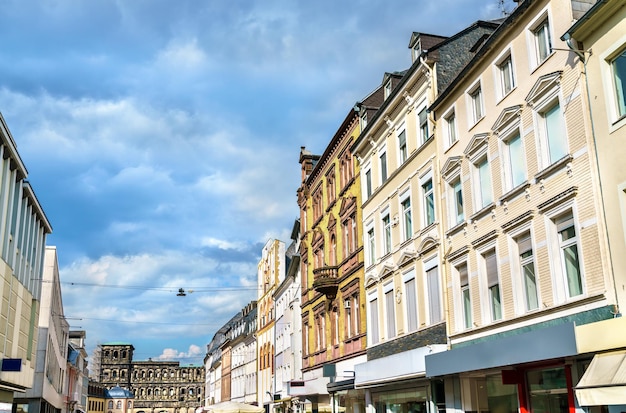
(581,54)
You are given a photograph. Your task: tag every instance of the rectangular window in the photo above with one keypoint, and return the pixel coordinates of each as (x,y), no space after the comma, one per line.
(476,98)
(484,192)
(423,124)
(543,41)
(458,214)
(368,183)
(387,233)
(434,299)
(429,202)
(516,169)
(451,128)
(507,81)
(493,284)
(466,302)
(411,304)
(619,75)
(371,242)
(402,149)
(568,243)
(527,267)
(391,313)
(373,314)
(383,167)
(407,221)
(556,140)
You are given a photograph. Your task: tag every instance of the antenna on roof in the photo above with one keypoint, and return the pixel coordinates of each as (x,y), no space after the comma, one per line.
(503,8)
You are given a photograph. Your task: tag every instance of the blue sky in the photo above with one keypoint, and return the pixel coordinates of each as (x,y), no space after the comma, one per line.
(162,140)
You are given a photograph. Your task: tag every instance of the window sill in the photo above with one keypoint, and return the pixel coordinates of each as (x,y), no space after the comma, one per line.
(455,229)
(483,212)
(553,168)
(513,193)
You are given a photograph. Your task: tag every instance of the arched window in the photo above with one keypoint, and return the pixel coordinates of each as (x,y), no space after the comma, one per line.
(115,354)
(119,404)
(157,392)
(110,404)
(123,354)
(130,404)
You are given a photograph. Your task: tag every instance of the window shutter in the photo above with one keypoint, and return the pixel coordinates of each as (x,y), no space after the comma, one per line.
(491,264)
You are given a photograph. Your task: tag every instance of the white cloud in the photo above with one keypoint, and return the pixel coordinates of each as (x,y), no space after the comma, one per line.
(194,351)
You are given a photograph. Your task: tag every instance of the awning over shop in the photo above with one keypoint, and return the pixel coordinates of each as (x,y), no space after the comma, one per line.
(536,345)
(604,382)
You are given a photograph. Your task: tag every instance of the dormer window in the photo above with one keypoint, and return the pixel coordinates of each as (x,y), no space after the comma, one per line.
(388,89)
(417,50)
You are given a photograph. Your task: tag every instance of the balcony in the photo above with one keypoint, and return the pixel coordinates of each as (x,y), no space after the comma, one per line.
(326,281)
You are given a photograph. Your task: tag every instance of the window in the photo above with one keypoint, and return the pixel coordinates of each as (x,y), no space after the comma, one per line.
(330,187)
(372,332)
(368,183)
(507,80)
(386,221)
(402,149)
(346,169)
(351,305)
(570,261)
(318,206)
(407,222)
(476,101)
(383,166)
(429,202)
(423,125)
(410,294)
(466,302)
(349,235)
(515,169)
(450,122)
(456,201)
(493,285)
(543,42)
(435,313)
(388,89)
(618,65)
(390,319)
(371,242)
(553,133)
(527,267)
(483,191)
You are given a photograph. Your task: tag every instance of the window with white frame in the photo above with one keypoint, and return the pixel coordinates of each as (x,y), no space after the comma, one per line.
(493,284)
(367,184)
(483,192)
(457,213)
(423,125)
(506,75)
(514,160)
(386,225)
(429,200)
(390,312)
(407,218)
(618,71)
(451,132)
(551,134)
(476,104)
(466,300)
(383,165)
(402,148)
(387,91)
(569,253)
(542,40)
(410,300)
(435,309)
(371,245)
(372,317)
(527,271)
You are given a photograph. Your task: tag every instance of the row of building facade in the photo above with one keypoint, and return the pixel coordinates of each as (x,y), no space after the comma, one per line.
(461,240)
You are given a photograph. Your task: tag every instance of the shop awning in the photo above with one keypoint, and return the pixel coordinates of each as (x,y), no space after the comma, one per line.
(604,382)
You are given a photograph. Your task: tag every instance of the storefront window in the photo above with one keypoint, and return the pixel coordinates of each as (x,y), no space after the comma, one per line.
(548,390)
(501,398)
(401,401)
(350,401)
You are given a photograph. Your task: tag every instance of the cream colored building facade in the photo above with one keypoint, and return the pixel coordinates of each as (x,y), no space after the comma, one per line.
(526,262)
